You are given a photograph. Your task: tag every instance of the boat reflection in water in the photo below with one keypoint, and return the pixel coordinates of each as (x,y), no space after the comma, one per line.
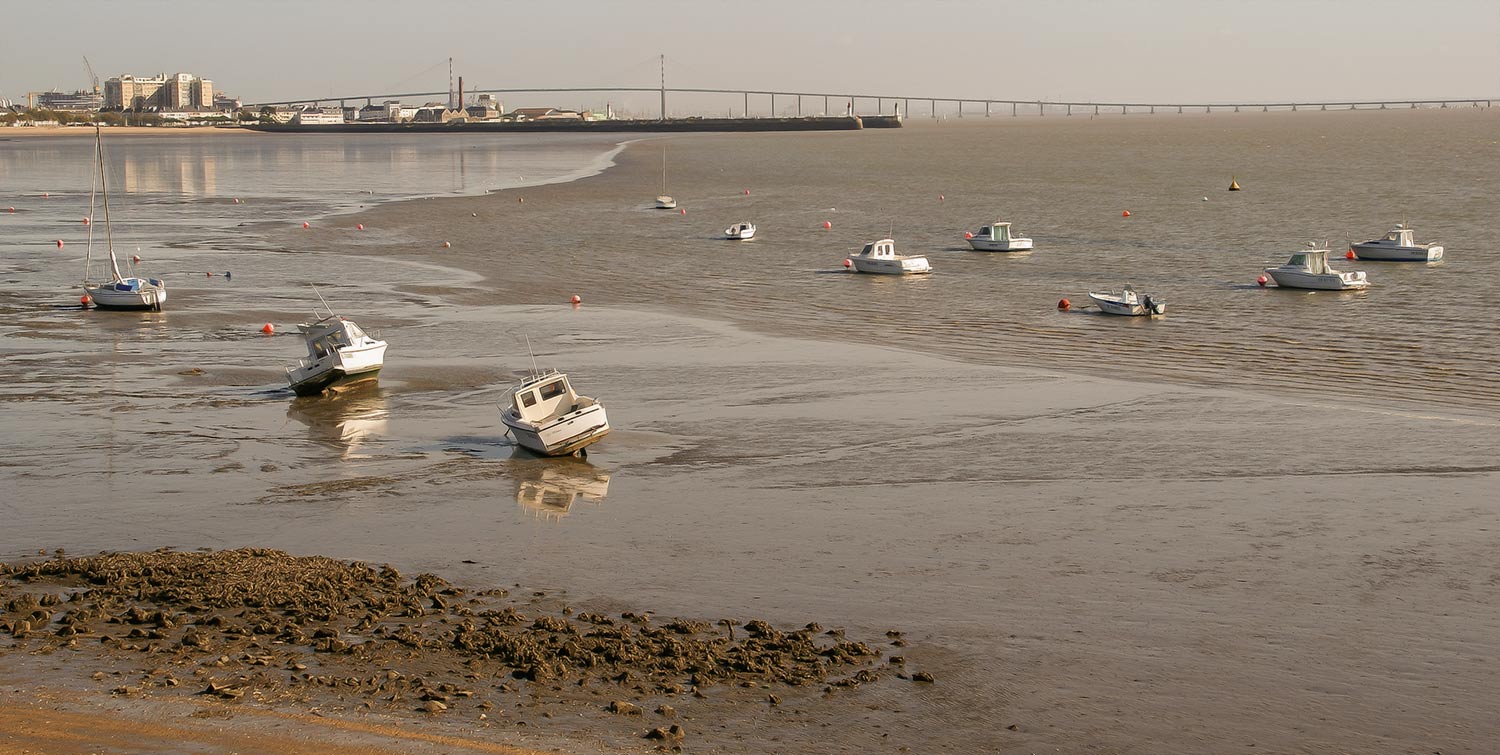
(346,418)
(549,488)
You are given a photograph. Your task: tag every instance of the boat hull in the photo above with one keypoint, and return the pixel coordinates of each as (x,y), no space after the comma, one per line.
(565,436)
(1014,245)
(907,266)
(1317,281)
(1388,253)
(745,235)
(342,367)
(108,296)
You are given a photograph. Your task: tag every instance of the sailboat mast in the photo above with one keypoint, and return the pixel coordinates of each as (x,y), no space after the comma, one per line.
(88,256)
(109,239)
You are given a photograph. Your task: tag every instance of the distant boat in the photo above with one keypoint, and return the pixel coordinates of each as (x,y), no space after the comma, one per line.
(547,416)
(1398,246)
(338,352)
(996,237)
(880,257)
(119,292)
(740,231)
(1128,302)
(1309,269)
(1233,184)
(665,201)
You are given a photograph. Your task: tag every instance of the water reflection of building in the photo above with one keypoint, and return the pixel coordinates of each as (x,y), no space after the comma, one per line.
(169,174)
(548,488)
(347,419)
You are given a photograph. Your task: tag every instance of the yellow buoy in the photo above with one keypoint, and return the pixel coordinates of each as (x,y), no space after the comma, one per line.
(1233,184)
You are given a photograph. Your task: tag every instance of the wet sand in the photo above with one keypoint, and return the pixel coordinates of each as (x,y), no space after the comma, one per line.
(1084,564)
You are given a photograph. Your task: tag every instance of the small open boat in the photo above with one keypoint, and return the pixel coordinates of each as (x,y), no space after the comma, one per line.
(1128,302)
(1398,246)
(880,257)
(740,231)
(1309,269)
(545,415)
(338,352)
(996,237)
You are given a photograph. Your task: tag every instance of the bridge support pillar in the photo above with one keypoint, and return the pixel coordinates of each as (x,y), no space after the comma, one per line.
(1153,110)
(1070,108)
(1325,107)
(825,104)
(799,106)
(961,108)
(1179,110)
(987,108)
(1096,110)
(1265,108)
(1236,109)
(880,106)
(906,107)
(773,104)
(747,104)
(1294,108)
(934,108)
(1445,106)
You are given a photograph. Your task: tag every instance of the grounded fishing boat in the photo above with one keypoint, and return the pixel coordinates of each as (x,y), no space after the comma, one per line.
(1128,302)
(1309,269)
(880,257)
(740,231)
(996,237)
(338,352)
(120,291)
(1398,246)
(547,416)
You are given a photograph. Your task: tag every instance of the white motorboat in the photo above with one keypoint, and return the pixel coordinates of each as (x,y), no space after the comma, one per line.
(338,352)
(1309,269)
(996,237)
(1398,246)
(740,231)
(120,291)
(1128,302)
(547,416)
(880,257)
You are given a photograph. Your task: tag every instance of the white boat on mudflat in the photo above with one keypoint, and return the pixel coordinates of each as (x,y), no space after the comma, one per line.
(1398,246)
(120,291)
(664,201)
(1128,302)
(338,352)
(547,416)
(1309,269)
(880,257)
(740,231)
(996,237)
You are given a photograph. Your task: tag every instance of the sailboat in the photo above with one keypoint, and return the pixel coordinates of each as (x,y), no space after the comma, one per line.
(119,292)
(664,202)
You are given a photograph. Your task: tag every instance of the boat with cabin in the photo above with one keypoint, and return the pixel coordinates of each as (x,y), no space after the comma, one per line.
(120,291)
(1400,245)
(740,232)
(1309,269)
(880,257)
(996,237)
(1128,303)
(338,353)
(546,416)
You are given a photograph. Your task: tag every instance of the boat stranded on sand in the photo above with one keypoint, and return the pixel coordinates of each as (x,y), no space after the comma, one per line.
(880,257)
(548,417)
(119,292)
(1128,302)
(996,237)
(740,231)
(338,352)
(1309,269)
(1398,246)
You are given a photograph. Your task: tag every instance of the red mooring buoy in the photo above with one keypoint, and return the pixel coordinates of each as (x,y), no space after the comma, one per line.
(1261,280)
(268,329)
(1064,304)
(1125,214)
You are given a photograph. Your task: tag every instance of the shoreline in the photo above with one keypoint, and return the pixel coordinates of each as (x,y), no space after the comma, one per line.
(87,130)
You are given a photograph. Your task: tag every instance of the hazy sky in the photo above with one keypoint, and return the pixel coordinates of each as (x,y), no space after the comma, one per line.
(1141,50)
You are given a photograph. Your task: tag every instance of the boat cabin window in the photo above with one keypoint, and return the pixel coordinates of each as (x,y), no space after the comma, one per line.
(867,249)
(1299,260)
(552,390)
(528,399)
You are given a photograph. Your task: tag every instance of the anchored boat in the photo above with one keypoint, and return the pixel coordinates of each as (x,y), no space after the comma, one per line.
(996,237)
(547,416)
(120,291)
(740,232)
(1309,269)
(1128,302)
(1399,245)
(338,352)
(880,257)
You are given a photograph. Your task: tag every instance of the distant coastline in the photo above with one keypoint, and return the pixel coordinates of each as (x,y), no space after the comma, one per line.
(85,130)
(678,125)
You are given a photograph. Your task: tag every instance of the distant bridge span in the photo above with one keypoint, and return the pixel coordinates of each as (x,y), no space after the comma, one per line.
(981,105)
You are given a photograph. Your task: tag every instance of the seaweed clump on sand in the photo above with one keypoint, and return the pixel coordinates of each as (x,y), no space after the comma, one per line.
(282,626)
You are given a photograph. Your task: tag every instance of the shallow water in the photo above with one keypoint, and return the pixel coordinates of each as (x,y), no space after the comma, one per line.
(1285,558)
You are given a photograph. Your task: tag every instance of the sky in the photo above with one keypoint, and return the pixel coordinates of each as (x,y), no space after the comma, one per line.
(1082,50)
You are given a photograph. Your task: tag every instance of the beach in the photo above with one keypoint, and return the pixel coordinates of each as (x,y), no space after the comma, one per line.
(1219,532)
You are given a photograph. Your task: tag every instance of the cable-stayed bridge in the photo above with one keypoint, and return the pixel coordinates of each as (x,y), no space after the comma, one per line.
(838,103)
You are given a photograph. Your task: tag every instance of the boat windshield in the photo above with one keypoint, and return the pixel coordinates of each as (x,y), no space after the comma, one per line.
(1298,260)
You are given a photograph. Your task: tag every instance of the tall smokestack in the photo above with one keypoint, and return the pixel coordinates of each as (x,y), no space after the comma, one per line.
(460,93)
